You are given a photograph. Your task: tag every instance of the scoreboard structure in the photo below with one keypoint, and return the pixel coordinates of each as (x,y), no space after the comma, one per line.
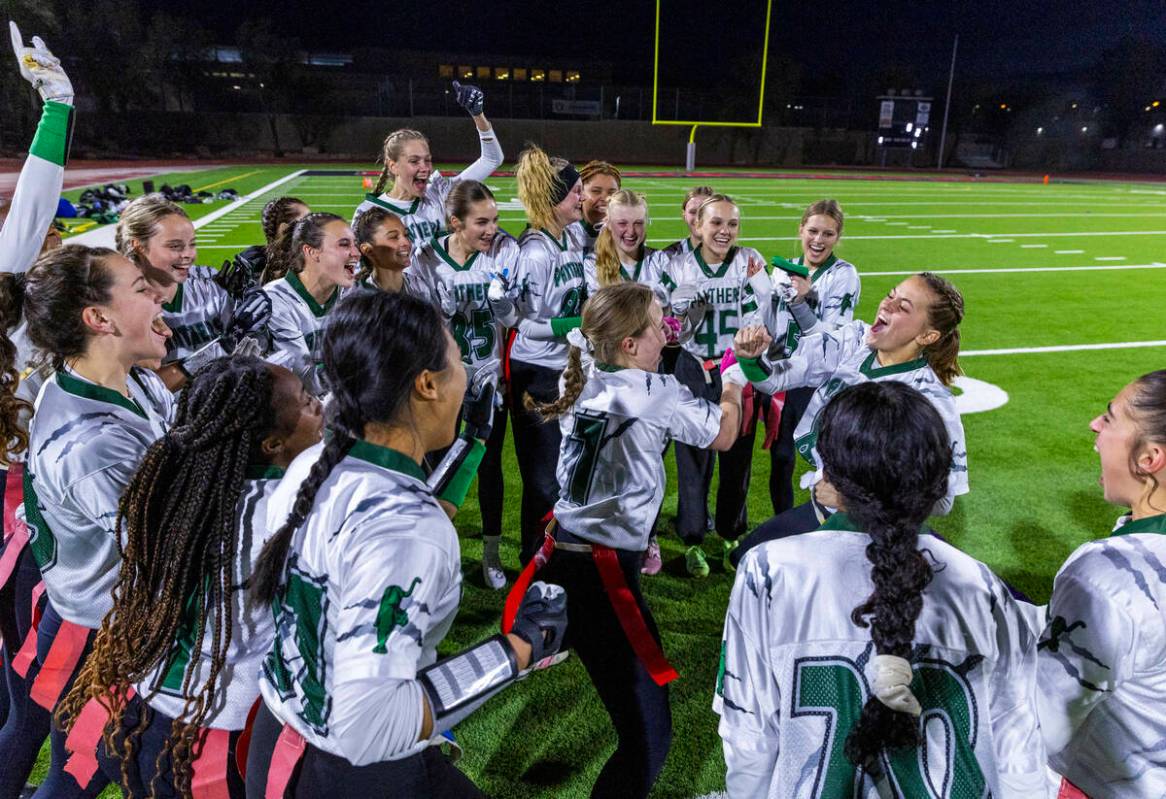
(904,121)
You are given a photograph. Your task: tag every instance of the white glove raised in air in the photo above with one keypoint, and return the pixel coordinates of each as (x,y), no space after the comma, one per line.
(41,68)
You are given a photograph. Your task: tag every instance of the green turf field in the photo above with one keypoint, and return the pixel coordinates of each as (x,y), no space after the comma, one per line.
(1056,266)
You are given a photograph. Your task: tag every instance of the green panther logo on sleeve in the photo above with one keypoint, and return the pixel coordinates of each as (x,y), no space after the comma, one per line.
(390,614)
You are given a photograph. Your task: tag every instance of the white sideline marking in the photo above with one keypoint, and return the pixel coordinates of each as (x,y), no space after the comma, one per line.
(1069,252)
(978,271)
(1110,258)
(1033,246)
(1117,345)
(103,236)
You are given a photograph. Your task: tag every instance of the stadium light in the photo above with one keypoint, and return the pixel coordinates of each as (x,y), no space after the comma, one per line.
(1040,131)
(1156,103)
(1084,128)
(1159,128)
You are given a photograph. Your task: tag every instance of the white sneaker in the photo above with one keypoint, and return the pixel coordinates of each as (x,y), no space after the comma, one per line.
(492,571)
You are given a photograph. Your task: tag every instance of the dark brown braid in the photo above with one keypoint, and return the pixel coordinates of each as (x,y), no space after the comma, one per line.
(13,434)
(945,313)
(375,346)
(178,520)
(278,213)
(885,450)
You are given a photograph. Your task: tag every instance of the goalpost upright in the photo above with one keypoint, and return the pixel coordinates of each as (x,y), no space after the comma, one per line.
(690,154)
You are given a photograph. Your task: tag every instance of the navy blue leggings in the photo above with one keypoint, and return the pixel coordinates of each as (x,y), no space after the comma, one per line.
(57,784)
(143,769)
(27,723)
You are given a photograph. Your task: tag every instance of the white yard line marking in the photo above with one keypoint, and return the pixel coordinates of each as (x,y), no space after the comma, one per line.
(978,271)
(943,231)
(1068,252)
(1110,258)
(990,237)
(1117,345)
(103,236)
(917,227)
(1033,246)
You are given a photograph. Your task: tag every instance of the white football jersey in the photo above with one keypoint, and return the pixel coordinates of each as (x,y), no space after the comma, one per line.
(423,217)
(732,302)
(371,587)
(646,270)
(795,673)
(681,247)
(197,315)
(1102,664)
(835,294)
(833,360)
(549,284)
(461,294)
(85,443)
(297,329)
(611,460)
(252,628)
(586,234)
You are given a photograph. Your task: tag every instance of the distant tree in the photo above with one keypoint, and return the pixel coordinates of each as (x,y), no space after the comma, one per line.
(1129,77)
(273,59)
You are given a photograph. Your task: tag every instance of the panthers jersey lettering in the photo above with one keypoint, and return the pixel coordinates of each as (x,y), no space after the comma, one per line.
(646,270)
(731,300)
(197,314)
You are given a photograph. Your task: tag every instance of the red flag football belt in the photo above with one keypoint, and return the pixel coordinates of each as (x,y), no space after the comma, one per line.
(15,531)
(623,602)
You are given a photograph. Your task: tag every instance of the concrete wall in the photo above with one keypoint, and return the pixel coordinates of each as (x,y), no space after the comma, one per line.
(452,138)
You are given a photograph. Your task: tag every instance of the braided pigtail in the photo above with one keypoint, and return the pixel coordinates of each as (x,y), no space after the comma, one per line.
(885,450)
(13,432)
(375,346)
(574,379)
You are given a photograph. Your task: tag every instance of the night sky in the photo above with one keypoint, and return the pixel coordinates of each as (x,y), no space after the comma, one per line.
(997,38)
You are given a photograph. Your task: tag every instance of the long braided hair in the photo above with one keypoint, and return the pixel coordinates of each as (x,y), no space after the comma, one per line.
(375,346)
(391,151)
(885,450)
(178,521)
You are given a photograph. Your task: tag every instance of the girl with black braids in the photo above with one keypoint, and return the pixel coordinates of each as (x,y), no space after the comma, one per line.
(364,577)
(93,314)
(175,666)
(867,658)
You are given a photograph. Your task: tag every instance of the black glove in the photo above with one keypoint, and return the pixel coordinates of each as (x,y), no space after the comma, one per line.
(478,404)
(471,98)
(541,620)
(240,274)
(252,312)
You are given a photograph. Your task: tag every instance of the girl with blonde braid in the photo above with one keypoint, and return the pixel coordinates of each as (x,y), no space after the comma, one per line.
(418,191)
